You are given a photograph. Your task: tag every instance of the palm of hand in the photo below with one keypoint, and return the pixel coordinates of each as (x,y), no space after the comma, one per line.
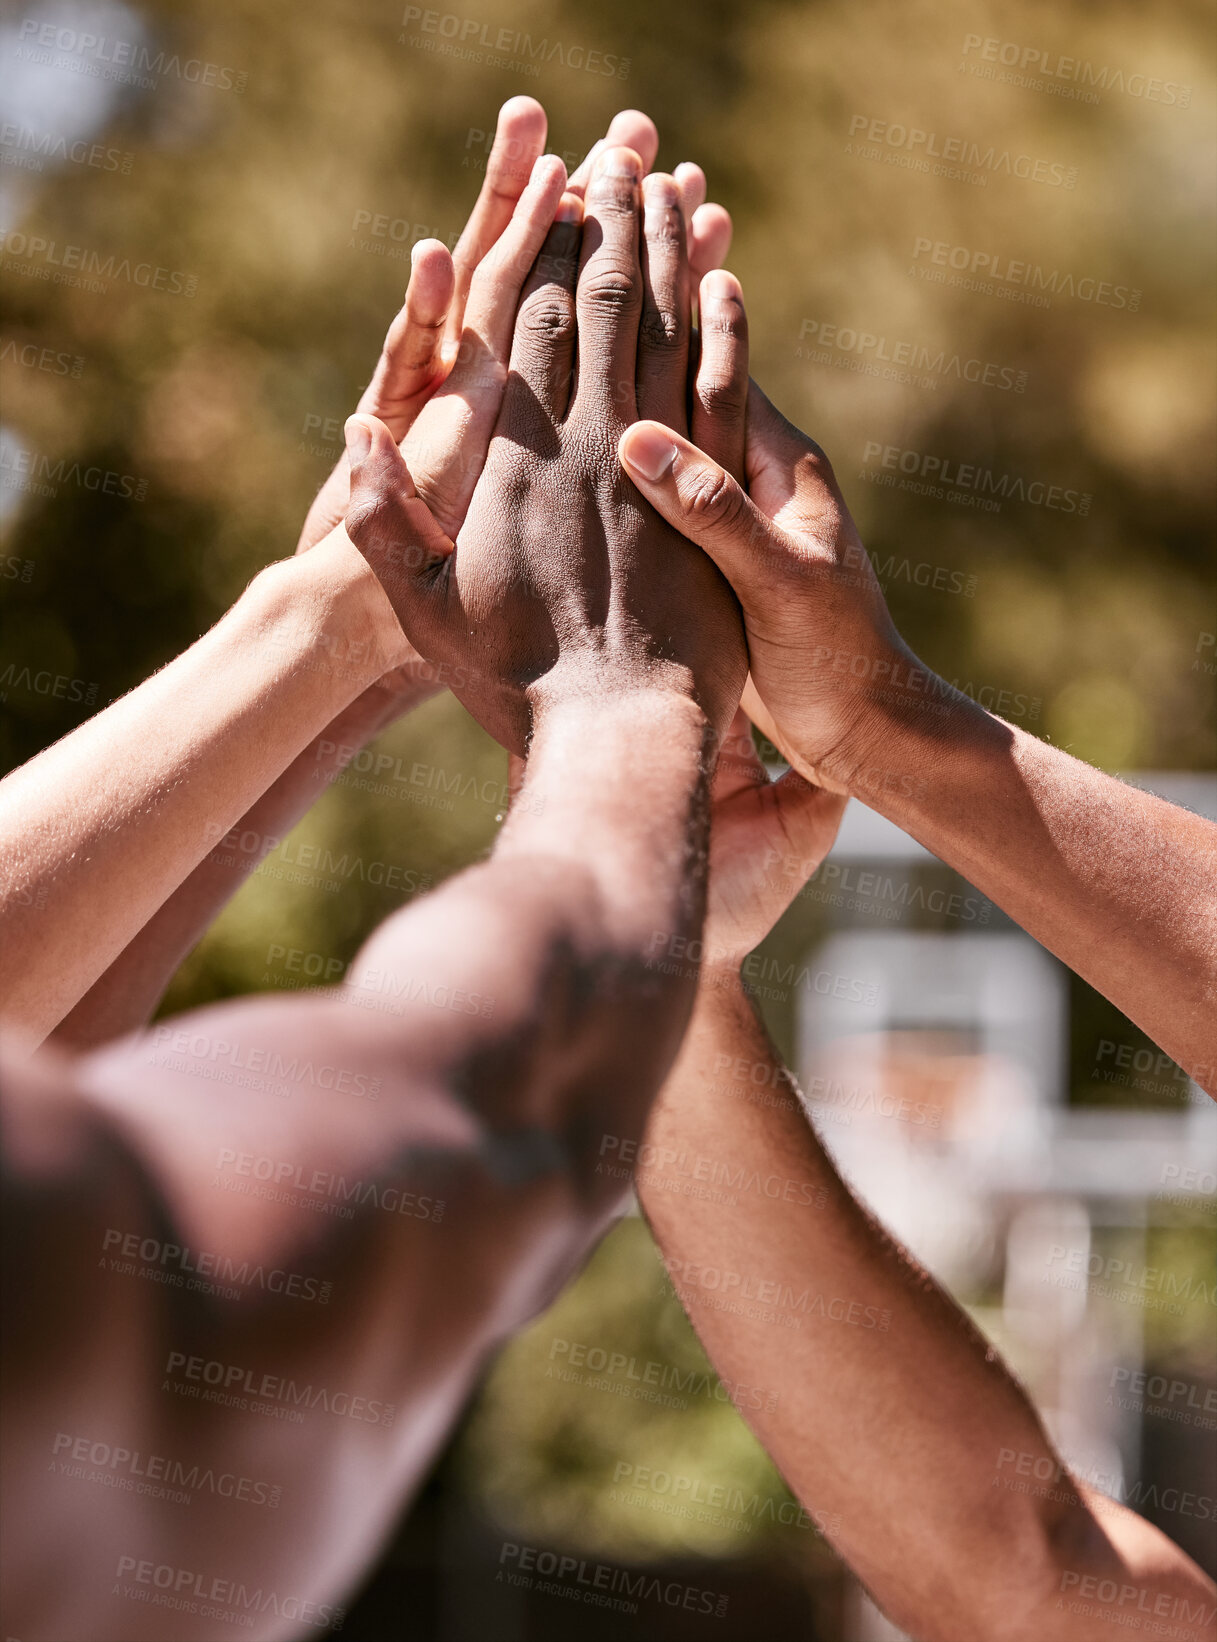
(766,839)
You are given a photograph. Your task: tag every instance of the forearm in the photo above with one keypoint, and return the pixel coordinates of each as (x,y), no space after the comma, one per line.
(601,859)
(440,1112)
(892,1417)
(127,994)
(517,1002)
(1121,885)
(99,830)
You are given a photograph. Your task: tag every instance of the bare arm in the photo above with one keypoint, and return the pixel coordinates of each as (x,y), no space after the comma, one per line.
(127,994)
(485,1039)
(97,831)
(441,297)
(275,1238)
(1120,885)
(894,1420)
(101,831)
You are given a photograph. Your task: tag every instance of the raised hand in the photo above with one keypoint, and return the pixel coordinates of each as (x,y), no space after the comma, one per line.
(825,658)
(454,334)
(414,360)
(1115,882)
(560,578)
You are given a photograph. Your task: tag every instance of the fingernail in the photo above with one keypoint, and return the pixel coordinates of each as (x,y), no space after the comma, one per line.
(659,192)
(570,209)
(620,162)
(359,440)
(649,451)
(544,168)
(720,286)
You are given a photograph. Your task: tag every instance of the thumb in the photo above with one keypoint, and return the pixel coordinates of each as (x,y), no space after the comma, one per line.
(738,766)
(809,817)
(703,502)
(386,519)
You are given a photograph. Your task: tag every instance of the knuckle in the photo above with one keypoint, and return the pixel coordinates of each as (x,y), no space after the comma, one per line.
(370,518)
(609,291)
(664,230)
(547,318)
(814,471)
(611,196)
(715,498)
(662,331)
(722,395)
(726,321)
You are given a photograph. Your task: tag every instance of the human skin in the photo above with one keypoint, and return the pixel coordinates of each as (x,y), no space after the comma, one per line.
(425,1135)
(112,861)
(895,1423)
(414,363)
(485,1036)
(891,1418)
(1119,884)
(98,830)
(565,565)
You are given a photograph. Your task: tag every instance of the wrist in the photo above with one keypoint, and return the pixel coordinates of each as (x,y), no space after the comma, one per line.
(588,684)
(719,982)
(904,749)
(619,782)
(326,609)
(578,697)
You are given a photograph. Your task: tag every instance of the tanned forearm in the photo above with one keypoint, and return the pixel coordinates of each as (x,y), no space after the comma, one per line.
(98,831)
(894,1421)
(420,1146)
(1121,885)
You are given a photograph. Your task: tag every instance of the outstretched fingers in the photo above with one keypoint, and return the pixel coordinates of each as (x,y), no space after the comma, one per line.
(702,500)
(407,373)
(631,128)
(720,387)
(663,338)
(448,445)
(543,348)
(709,238)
